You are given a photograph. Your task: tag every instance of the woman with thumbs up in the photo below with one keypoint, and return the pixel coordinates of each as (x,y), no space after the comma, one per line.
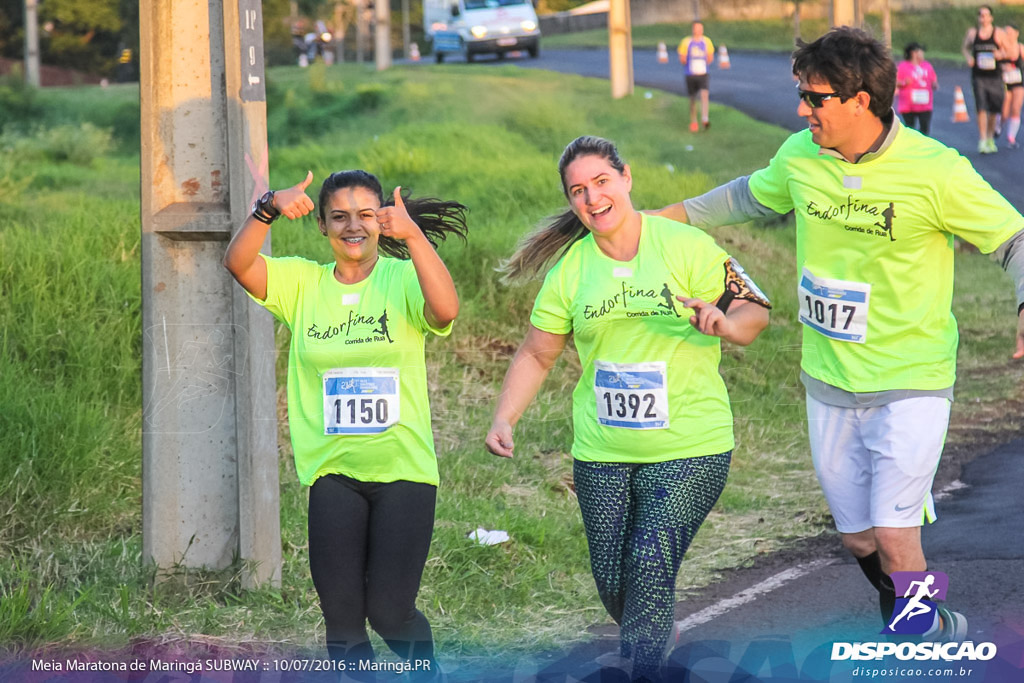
(357,398)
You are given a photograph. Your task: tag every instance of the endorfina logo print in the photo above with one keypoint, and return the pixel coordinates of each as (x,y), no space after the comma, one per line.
(915,611)
(854,214)
(357,329)
(639,298)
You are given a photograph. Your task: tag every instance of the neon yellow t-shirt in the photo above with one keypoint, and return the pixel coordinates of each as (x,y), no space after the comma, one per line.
(875,255)
(378,415)
(650,389)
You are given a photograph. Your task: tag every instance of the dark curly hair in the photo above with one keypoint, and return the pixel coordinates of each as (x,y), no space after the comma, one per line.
(437,218)
(850,61)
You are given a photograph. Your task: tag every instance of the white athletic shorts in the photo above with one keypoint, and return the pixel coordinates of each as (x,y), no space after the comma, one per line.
(876,465)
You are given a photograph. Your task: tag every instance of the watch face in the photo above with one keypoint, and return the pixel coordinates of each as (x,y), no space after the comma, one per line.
(267,198)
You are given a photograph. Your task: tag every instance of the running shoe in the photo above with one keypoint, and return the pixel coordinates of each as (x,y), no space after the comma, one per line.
(707,124)
(673,640)
(693,127)
(952,628)
(982,146)
(1012,143)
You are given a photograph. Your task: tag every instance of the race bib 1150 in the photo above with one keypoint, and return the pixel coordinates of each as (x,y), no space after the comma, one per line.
(360,400)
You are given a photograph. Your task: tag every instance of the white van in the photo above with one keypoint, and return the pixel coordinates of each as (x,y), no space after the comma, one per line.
(473,27)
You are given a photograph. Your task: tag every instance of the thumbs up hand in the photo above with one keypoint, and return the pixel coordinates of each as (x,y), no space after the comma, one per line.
(395,221)
(293,202)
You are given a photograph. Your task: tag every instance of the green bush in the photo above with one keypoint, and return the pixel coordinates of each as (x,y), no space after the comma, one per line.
(18,104)
(79,144)
(12,184)
(369,96)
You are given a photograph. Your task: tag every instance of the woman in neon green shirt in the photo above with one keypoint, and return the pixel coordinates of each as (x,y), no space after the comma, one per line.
(357,397)
(652,425)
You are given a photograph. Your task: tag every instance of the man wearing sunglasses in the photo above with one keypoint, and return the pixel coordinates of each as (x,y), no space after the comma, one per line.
(877,206)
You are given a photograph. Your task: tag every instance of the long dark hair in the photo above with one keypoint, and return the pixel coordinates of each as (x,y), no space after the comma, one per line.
(561,231)
(437,218)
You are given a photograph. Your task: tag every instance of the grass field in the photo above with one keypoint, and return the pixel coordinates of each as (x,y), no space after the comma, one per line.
(941,31)
(71,574)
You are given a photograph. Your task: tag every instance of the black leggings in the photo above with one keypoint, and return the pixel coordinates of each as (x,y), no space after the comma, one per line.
(912,118)
(368,543)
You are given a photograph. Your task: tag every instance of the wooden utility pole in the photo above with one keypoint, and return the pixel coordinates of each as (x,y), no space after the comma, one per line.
(620,48)
(796,20)
(382,35)
(843,13)
(362,29)
(887,24)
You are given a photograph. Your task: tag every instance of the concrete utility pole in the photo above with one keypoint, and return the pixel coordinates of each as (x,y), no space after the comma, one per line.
(843,13)
(382,35)
(209,432)
(339,32)
(31,43)
(620,48)
(406,32)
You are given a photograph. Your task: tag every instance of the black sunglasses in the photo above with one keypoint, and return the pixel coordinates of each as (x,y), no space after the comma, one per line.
(815,100)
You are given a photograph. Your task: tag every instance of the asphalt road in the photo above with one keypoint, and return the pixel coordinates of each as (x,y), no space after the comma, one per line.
(779,621)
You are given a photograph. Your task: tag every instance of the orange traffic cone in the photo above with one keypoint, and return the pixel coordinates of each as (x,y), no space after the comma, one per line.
(959,106)
(723,58)
(414,52)
(662,54)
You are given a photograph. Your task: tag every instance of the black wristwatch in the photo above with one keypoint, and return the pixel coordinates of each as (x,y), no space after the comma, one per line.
(264,210)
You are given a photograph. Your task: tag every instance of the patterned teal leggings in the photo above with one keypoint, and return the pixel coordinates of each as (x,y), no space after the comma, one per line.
(640,519)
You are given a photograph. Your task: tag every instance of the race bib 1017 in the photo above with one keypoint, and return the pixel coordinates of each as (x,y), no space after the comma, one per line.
(837,309)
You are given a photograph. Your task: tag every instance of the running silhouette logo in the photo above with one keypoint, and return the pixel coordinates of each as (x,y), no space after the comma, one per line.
(916,595)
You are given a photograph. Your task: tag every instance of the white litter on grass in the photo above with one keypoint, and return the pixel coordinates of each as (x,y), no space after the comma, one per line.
(688,148)
(950,488)
(485,537)
(671,168)
(648,95)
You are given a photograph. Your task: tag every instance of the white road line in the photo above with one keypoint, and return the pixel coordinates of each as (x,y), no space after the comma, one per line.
(750,594)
